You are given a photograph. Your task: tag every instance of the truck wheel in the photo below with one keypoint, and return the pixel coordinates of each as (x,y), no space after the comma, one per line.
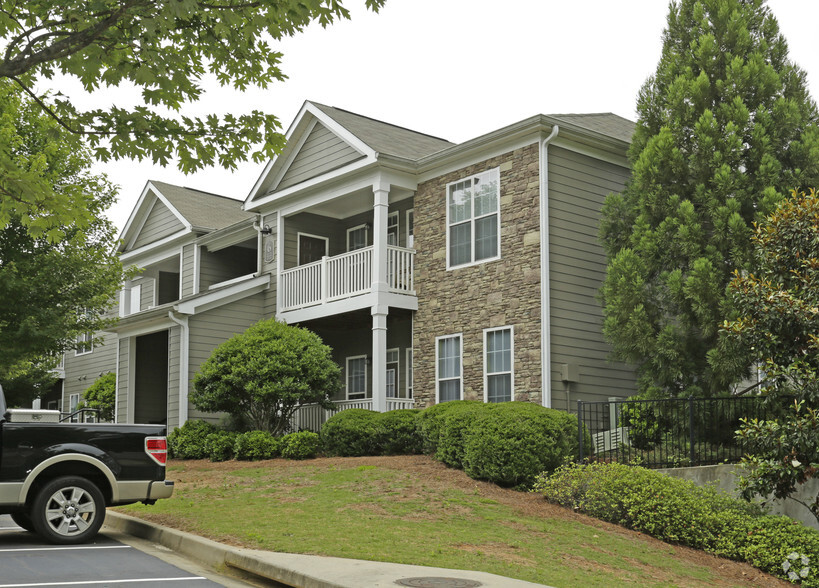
(23,520)
(68,510)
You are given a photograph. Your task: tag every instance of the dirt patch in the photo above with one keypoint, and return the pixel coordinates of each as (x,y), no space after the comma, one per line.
(424,472)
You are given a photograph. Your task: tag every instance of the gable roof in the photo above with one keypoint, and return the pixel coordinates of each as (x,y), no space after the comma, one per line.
(384,137)
(202,210)
(166,211)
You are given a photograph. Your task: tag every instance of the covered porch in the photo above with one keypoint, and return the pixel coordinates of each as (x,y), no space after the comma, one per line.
(311,417)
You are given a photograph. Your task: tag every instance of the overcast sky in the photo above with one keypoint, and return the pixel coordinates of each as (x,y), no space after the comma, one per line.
(459,68)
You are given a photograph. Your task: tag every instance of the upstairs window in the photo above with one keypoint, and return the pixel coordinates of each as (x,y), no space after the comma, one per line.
(473,219)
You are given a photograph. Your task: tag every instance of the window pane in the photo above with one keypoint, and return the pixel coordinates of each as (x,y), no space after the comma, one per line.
(460,202)
(391,384)
(449,390)
(499,388)
(449,358)
(357,239)
(460,244)
(486,196)
(486,237)
(356,377)
(499,351)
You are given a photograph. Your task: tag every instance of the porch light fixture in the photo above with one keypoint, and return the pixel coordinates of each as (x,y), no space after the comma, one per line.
(368,226)
(266,230)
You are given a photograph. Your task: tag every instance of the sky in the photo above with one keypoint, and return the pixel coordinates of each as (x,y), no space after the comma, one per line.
(457,69)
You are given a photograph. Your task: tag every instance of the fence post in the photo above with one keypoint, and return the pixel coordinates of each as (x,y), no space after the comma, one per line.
(691,428)
(580,430)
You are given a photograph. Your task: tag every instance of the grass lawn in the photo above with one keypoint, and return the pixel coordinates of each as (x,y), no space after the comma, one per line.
(414,510)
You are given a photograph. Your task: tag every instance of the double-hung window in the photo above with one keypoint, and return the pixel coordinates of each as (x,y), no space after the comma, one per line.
(498,364)
(448,368)
(473,219)
(356,377)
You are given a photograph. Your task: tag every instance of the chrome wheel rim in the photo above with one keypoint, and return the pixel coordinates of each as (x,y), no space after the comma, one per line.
(70,511)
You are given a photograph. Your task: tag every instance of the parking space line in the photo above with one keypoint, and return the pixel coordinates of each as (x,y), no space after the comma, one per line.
(90,582)
(21,549)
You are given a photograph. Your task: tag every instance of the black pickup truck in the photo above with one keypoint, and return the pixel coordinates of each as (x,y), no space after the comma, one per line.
(56,479)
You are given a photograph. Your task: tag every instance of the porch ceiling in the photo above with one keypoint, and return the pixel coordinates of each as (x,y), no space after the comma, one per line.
(354,202)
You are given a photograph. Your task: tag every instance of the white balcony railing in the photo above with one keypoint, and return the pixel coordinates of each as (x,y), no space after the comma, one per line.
(312,416)
(343,276)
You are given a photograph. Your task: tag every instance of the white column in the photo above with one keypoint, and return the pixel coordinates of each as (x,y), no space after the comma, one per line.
(381,192)
(379,365)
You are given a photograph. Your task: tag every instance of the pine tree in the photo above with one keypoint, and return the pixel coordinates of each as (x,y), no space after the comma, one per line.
(725,130)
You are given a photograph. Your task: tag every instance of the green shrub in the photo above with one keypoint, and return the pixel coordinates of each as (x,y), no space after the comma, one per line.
(679,511)
(351,432)
(513,442)
(102,396)
(431,420)
(189,440)
(301,445)
(254,445)
(454,426)
(220,445)
(398,432)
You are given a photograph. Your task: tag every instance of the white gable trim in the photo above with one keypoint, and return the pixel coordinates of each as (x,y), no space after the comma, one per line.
(299,130)
(141,212)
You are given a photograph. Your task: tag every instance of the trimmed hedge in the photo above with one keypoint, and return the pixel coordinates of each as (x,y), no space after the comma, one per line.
(190,440)
(220,446)
(453,427)
(398,432)
(256,445)
(510,443)
(431,421)
(350,433)
(301,445)
(679,511)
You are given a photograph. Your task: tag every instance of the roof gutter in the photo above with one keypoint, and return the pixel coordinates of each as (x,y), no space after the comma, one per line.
(545,300)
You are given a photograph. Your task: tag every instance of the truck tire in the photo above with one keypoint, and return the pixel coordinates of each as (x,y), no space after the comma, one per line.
(68,510)
(23,520)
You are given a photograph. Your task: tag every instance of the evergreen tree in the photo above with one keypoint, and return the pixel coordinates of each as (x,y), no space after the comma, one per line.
(725,129)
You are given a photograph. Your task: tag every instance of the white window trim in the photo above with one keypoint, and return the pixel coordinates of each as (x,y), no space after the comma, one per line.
(461,363)
(411,213)
(397,363)
(511,372)
(299,235)
(355,228)
(409,375)
(135,298)
(449,266)
(347,377)
(390,216)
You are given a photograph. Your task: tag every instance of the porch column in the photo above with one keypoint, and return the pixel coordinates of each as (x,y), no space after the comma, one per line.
(379,357)
(381,192)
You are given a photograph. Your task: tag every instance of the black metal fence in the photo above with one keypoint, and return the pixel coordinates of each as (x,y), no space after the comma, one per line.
(667,433)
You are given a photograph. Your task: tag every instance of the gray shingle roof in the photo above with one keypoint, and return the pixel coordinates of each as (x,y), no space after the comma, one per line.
(605,123)
(384,137)
(203,209)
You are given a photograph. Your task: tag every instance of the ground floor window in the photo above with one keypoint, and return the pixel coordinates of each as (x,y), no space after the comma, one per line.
(448,368)
(498,364)
(392,373)
(356,377)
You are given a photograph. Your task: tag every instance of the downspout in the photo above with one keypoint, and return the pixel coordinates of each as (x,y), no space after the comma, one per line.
(184,363)
(545,310)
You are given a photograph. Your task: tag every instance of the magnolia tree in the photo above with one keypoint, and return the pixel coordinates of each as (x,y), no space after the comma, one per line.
(262,375)
(777,321)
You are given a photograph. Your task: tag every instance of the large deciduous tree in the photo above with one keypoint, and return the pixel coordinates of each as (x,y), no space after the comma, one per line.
(776,321)
(57,286)
(725,128)
(165,48)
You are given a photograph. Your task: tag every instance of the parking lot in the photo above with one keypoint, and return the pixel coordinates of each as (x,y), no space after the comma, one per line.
(27,561)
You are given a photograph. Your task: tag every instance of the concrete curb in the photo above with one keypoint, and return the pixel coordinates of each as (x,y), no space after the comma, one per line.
(300,571)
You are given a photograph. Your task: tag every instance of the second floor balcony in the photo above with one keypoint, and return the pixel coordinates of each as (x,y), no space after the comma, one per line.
(343,277)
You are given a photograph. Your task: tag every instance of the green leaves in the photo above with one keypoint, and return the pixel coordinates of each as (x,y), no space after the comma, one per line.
(725,128)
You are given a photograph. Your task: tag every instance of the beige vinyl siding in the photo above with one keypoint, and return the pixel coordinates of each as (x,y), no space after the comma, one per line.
(146,299)
(174,348)
(312,224)
(188,269)
(269,261)
(209,329)
(322,152)
(160,223)
(578,185)
(83,370)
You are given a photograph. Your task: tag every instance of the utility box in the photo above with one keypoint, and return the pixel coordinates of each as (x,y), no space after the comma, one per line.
(33,415)
(569,372)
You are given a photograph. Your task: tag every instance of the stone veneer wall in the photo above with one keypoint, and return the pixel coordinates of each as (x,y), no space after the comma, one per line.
(505,292)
